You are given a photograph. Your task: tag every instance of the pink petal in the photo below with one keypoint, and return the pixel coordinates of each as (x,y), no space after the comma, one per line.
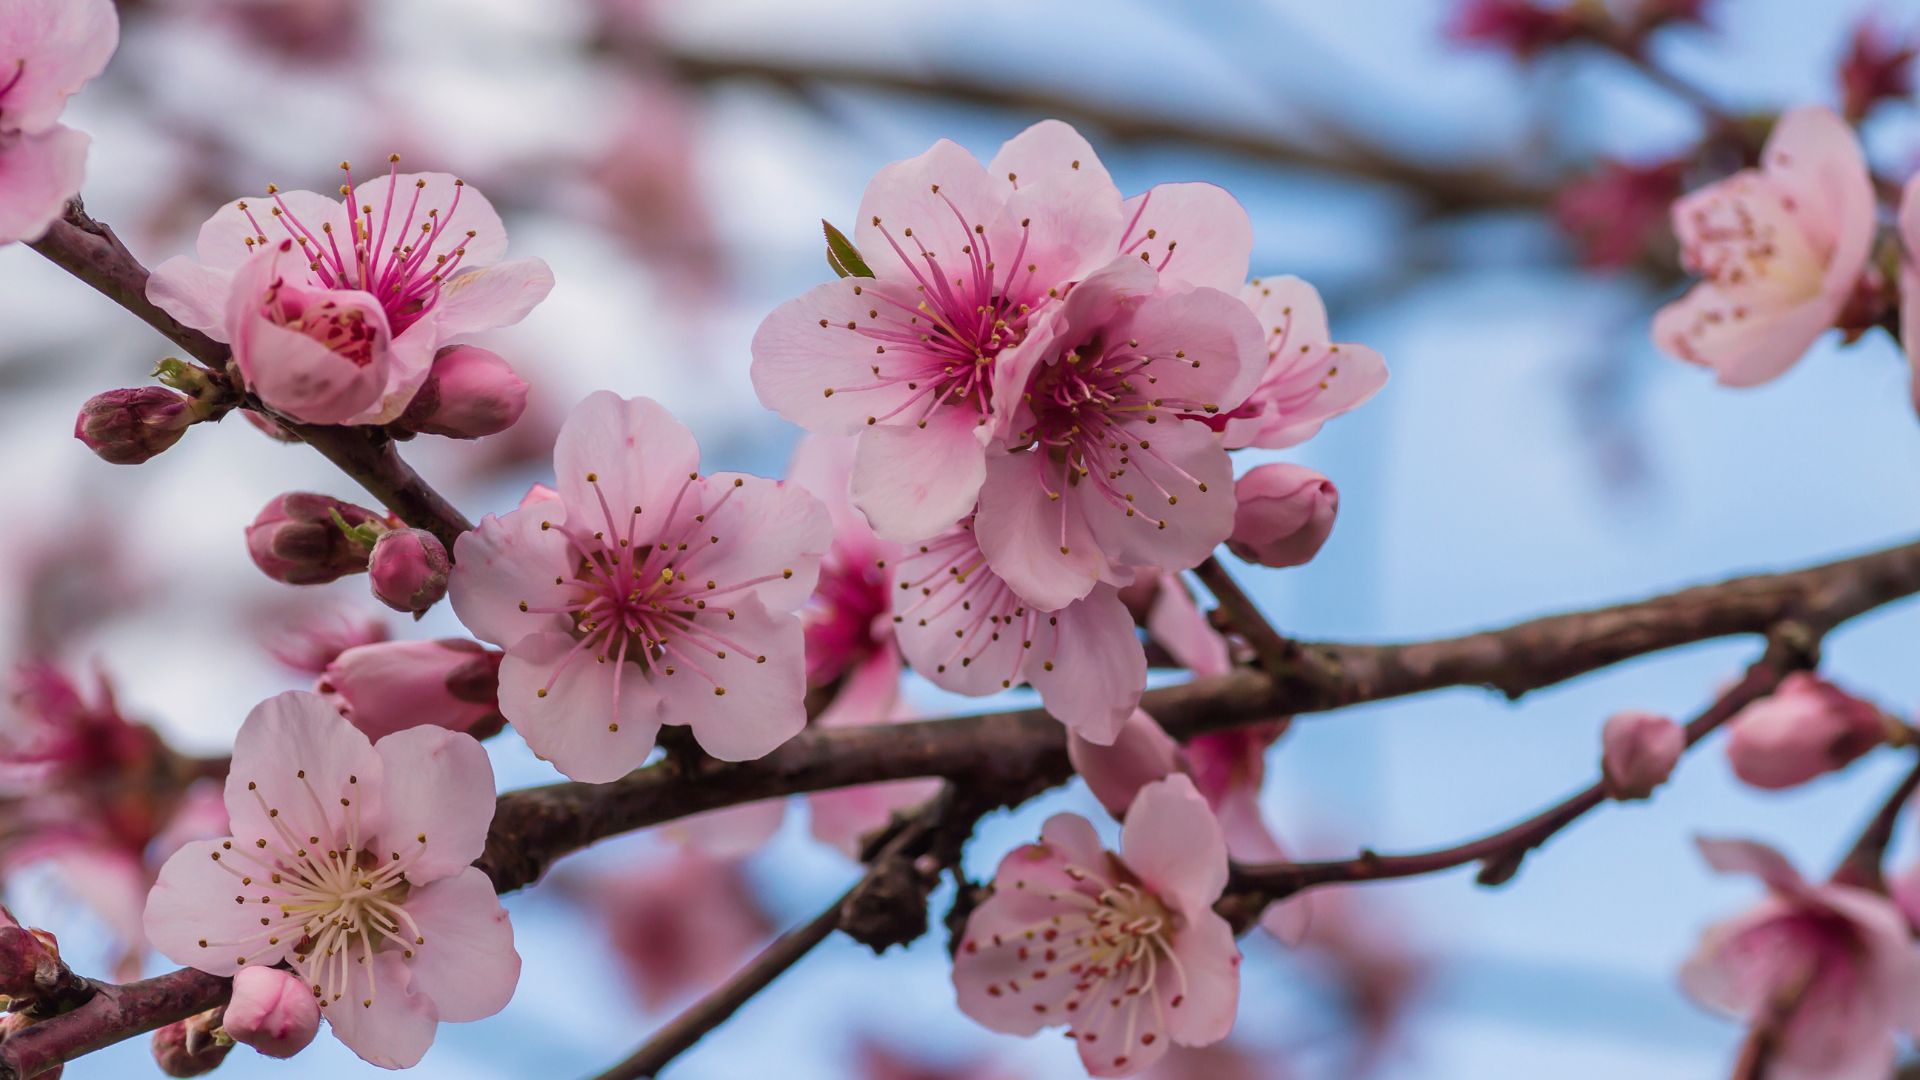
(1307,379)
(939,195)
(1815,154)
(733,832)
(439,785)
(1249,840)
(868,694)
(764,700)
(492,297)
(1199,234)
(1179,459)
(409,362)
(767,529)
(508,561)
(948,624)
(223,245)
(38,174)
(1049,152)
(1023,531)
(286,736)
(1173,843)
(193,293)
(467,967)
(1210,959)
(1176,622)
(1139,755)
(1742,352)
(1089,666)
(825,340)
(1910,283)
(637,452)
(596,722)
(1063,216)
(915,482)
(1752,857)
(1206,344)
(844,818)
(67,43)
(192,901)
(473,213)
(396,1030)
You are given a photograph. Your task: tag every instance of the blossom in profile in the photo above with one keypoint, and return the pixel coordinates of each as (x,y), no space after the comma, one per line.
(1307,377)
(1806,728)
(1125,950)
(1780,249)
(966,260)
(336,308)
(49,49)
(351,862)
(1827,973)
(642,593)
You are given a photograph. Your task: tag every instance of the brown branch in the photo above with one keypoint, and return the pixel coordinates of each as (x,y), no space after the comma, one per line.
(90,251)
(1446,187)
(1863,864)
(111,1015)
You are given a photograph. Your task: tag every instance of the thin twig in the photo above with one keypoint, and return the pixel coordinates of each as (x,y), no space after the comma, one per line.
(1863,865)
(1276,654)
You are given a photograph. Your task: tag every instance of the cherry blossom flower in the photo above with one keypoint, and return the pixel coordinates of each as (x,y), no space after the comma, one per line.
(963,628)
(1617,212)
(1524,28)
(1781,248)
(335,309)
(350,862)
(1878,67)
(1829,970)
(678,926)
(1806,728)
(850,645)
(1094,470)
(644,594)
(49,49)
(1126,950)
(966,260)
(1307,379)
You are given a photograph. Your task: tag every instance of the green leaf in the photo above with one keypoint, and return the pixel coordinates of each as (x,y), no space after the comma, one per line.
(842,255)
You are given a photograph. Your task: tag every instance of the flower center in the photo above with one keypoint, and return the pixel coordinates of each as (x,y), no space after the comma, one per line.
(343,330)
(1746,236)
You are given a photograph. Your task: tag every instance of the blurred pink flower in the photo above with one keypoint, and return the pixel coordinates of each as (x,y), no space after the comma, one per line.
(1828,972)
(1878,67)
(1806,728)
(879,1061)
(701,630)
(1127,951)
(1524,28)
(1638,752)
(49,49)
(1781,248)
(679,926)
(1616,213)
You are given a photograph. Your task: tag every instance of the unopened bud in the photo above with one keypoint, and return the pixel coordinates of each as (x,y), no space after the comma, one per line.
(130,426)
(1638,751)
(272,1011)
(383,688)
(301,538)
(409,570)
(470,393)
(1285,513)
(1806,728)
(190,1047)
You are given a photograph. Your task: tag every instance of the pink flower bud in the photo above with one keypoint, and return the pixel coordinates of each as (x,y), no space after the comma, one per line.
(297,540)
(1638,752)
(409,569)
(469,393)
(29,959)
(385,687)
(1878,67)
(188,1048)
(272,1011)
(1806,728)
(128,427)
(1285,514)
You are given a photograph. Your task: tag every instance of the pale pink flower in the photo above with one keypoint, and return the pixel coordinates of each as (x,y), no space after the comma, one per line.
(49,49)
(272,1011)
(1806,728)
(966,260)
(305,287)
(1780,247)
(390,686)
(351,862)
(1307,378)
(644,594)
(1638,752)
(1283,514)
(1126,950)
(1095,468)
(679,926)
(1830,970)
(963,628)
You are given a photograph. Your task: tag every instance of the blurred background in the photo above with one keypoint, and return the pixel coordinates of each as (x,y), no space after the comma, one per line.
(672,160)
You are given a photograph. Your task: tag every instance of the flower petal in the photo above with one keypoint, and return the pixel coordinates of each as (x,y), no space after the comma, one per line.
(297,756)
(914,482)
(1195,232)
(637,452)
(1173,843)
(763,676)
(439,786)
(595,722)
(196,899)
(1089,665)
(506,562)
(467,966)
(393,1032)
(492,297)
(38,174)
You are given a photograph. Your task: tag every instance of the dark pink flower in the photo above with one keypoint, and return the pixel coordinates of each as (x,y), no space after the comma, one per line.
(1283,513)
(469,393)
(1878,67)
(1615,213)
(408,570)
(1638,752)
(1525,28)
(49,49)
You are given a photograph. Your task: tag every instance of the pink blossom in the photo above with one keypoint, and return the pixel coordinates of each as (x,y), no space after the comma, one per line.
(963,628)
(1524,28)
(313,639)
(847,624)
(1126,950)
(678,927)
(469,393)
(390,686)
(731,832)
(1283,513)
(336,309)
(1878,67)
(49,49)
(354,862)
(272,1011)
(1829,970)
(1781,248)
(688,587)
(1806,728)
(966,260)
(408,570)
(1307,379)
(1617,212)
(1638,752)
